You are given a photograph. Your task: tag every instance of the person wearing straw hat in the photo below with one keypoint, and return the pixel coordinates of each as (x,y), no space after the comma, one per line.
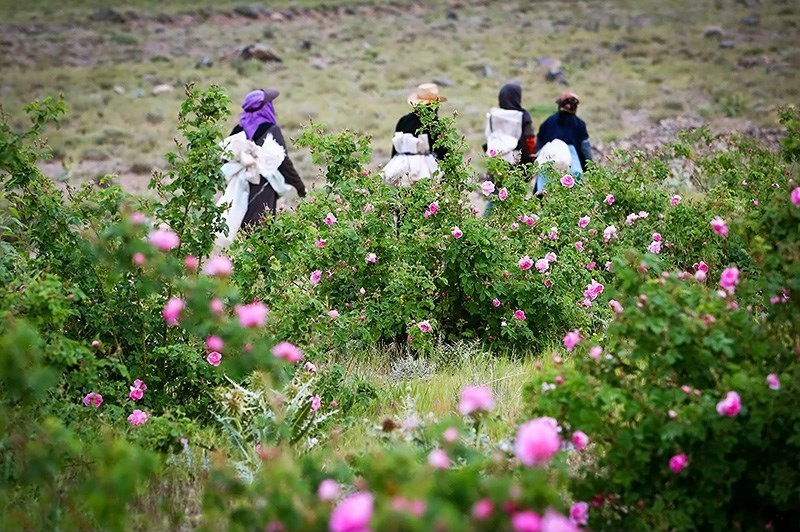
(414,156)
(565,126)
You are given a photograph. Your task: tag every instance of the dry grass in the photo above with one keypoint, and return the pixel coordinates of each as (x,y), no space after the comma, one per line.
(632,63)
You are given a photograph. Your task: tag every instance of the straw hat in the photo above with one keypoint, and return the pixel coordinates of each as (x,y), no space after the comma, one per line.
(426,93)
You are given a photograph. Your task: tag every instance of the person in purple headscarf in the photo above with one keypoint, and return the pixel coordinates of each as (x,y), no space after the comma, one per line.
(257,121)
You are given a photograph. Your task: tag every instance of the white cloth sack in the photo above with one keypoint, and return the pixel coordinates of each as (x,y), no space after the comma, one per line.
(503,131)
(413,161)
(248,163)
(557,151)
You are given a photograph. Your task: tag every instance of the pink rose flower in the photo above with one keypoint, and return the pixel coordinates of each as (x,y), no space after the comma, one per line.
(93,399)
(475,399)
(579,245)
(433,207)
(503,194)
(537,441)
(138,259)
(328,490)
(191,262)
(353,514)
(519,315)
(252,314)
(137,218)
(674,200)
(164,240)
(579,513)
(730,406)
(321,243)
(330,219)
(487,187)
(542,265)
(172,310)
(678,462)
(287,352)
(773,382)
(609,233)
(729,279)
(316,403)
(595,352)
(438,459)
(217,306)
(371,258)
(526,521)
(525,263)
(450,435)
(568,181)
(580,440)
(593,290)
(615,306)
(553,521)
(315,277)
(609,199)
(333,313)
(496,302)
(219,266)
(215,343)
(571,339)
(796,196)
(583,221)
(424,326)
(719,226)
(700,276)
(137,418)
(214,358)
(310,367)
(368,207)
(136,393)
(482,509)
(654,247)
(551,257)
(456,232)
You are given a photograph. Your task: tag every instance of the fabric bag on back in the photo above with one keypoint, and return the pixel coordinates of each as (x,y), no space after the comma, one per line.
(503,131)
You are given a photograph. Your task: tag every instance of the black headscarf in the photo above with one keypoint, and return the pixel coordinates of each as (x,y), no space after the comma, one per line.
(510,97)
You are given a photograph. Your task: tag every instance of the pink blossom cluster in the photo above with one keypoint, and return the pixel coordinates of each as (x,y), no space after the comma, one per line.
(219,266)
(475,399)
(593,290)
(719,226)
(537,441)
(137,390)
(609,233)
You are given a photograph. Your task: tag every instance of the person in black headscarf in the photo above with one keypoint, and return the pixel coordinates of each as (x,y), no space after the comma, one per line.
(257,121)
(507,122)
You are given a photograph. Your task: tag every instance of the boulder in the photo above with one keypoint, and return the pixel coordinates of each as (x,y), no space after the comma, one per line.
(161,89)
(443,81)
(260,52)
(713,32)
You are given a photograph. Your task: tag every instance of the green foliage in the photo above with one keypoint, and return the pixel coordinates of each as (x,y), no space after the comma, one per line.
(188,190)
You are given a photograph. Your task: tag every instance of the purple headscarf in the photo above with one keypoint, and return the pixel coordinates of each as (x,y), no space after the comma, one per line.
(257,109)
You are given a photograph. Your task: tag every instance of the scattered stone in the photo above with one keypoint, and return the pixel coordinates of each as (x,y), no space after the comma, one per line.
(618,47)
(305,45)
(161,89)
(252,11)
(205,62)
(137,93)
(726,44)
(154,117)
(277,17)
(713,32)
(452,15)
(163,18)
(443,81)
(107,14)
(318,62)
(119,89)
(752,20)
(549,62)
(556,75)
(152,79)
(260,52)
